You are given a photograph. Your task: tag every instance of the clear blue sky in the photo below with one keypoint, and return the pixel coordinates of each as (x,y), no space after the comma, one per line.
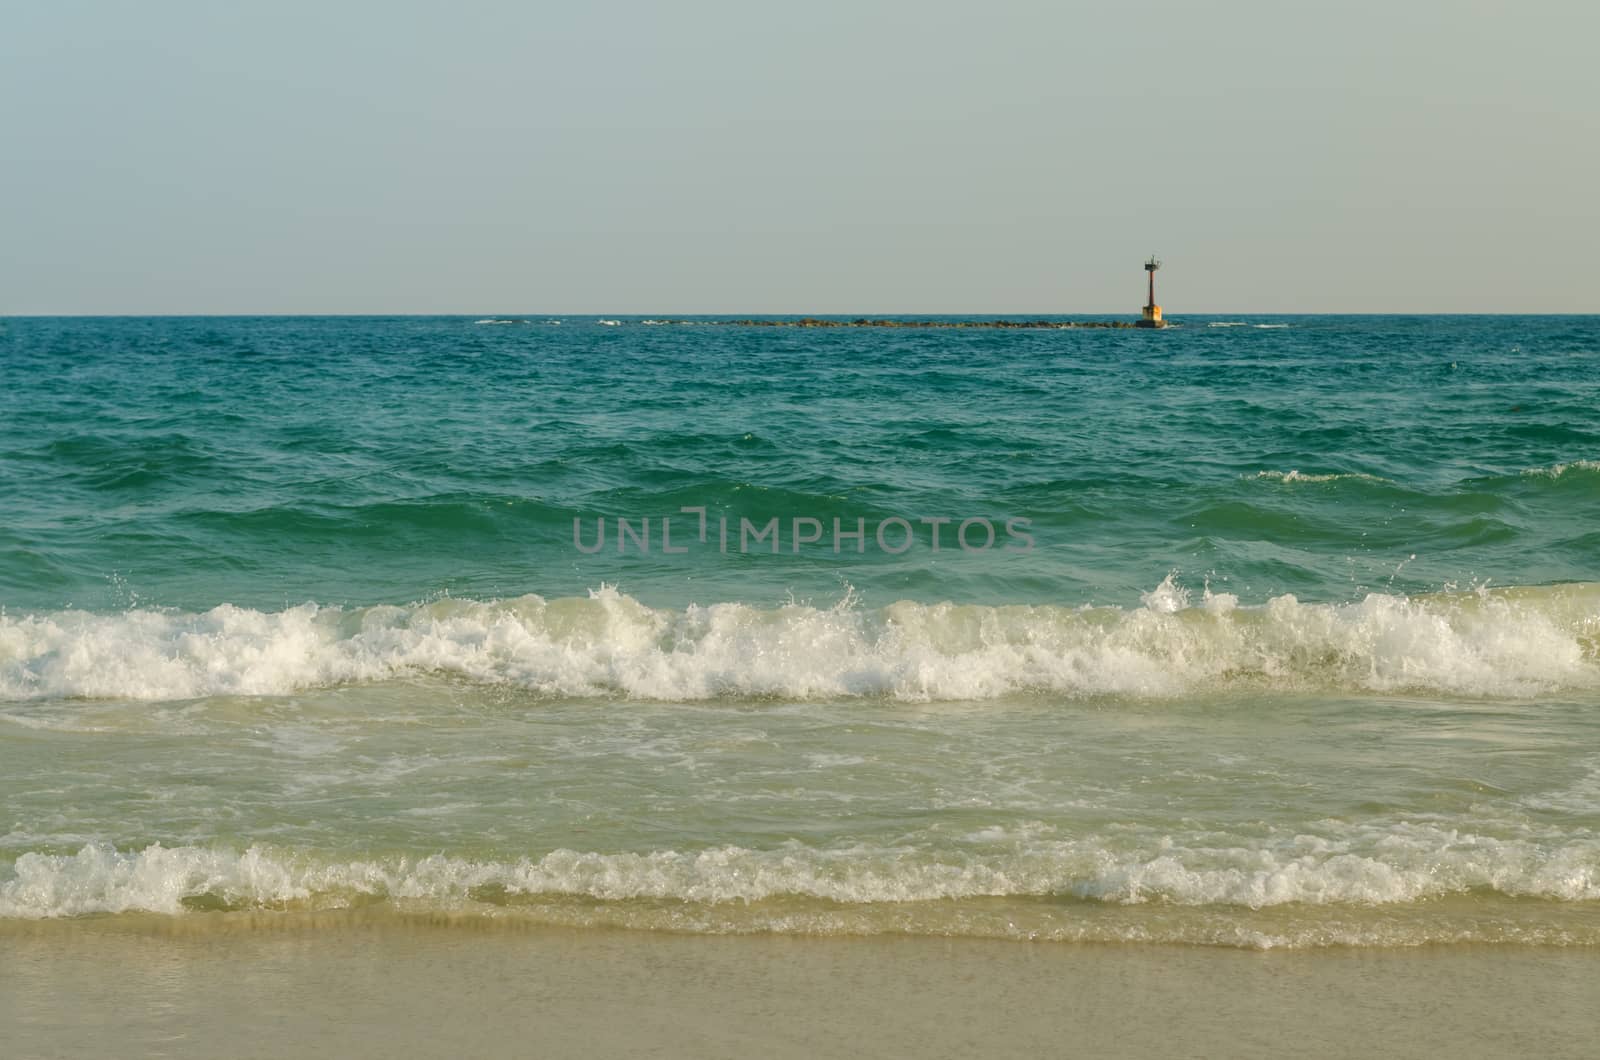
(872,156)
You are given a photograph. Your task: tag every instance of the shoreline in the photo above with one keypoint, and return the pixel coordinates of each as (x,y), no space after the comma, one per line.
(358,986)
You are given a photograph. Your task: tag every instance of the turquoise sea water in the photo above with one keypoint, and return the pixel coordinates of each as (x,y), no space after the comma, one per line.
(1288,632)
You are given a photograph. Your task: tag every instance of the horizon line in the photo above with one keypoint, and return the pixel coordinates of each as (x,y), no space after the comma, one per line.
(774,314)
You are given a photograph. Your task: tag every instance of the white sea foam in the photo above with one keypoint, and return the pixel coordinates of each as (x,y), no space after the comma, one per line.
(1558,470)
(1401,864)
(1299,476)
(1580,796)
(1504,642)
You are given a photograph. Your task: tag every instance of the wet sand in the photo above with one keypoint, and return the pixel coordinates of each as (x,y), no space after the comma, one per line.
(344,986)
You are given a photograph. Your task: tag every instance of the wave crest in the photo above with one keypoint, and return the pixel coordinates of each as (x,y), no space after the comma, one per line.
(1394,865)
(1571,467)
(1299,476)
(1510,642)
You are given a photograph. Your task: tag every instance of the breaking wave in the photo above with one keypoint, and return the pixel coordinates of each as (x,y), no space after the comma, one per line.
(1299,476)
(1573,467)
(1060,888)
(1513,642)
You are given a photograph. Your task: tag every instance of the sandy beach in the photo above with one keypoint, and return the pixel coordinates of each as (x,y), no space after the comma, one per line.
(356,986)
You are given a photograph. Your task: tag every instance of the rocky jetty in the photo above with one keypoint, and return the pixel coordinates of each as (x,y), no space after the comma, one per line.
(864,322)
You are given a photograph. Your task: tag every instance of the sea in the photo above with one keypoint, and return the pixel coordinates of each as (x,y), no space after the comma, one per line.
(1256,631)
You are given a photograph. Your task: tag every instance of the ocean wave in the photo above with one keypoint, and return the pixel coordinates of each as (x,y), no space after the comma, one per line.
(1299,476)
(1378,867)
(1559,470)
(1506,642)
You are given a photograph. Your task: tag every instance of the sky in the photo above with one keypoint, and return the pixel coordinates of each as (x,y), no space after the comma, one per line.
(874,156)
